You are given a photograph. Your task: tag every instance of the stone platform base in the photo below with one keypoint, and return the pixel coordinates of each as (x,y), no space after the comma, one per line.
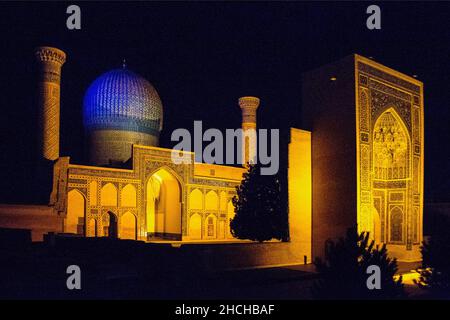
(40,219)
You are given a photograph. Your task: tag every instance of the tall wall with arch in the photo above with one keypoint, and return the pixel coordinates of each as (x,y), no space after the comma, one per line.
(367,153)
(391,155)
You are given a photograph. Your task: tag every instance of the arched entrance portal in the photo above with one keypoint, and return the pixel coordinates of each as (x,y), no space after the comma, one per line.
(392,157)
(163,194)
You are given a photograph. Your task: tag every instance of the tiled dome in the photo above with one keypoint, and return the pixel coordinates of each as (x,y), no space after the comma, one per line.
(122,100)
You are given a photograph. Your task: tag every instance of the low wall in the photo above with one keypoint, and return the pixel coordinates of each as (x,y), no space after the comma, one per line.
(212,257)
(39,219)
(215,257)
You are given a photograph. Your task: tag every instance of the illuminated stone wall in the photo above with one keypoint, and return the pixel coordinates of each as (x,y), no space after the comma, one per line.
(157,199)
(328,111)
(210,206)
(390,157)
(39,219)
(300,193)
(367,159)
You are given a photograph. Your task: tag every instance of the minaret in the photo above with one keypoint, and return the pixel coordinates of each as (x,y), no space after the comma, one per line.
(249,105)
(50,61)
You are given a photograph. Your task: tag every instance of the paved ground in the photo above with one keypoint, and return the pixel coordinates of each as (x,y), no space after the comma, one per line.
(406,267)
(288,282)
(123,270)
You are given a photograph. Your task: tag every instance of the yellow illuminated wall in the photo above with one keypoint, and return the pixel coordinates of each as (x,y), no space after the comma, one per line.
(218,172)
(210,231)
(195,227)
(211,220)
(390,157)
(196,200)
(166,201)
(209,214)
(153,192)
(74,221)
(92,228)
(93,193)
(361,163)
(163,204)
(221,229)
(211,201)
(300,193)
(128,196)
(230,213)
(109,223)
(108,195)
(223,200)
(128,226)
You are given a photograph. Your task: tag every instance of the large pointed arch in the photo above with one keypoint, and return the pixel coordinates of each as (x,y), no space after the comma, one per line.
(391,170)
(391,147)
(168,170)
(76,209)
(163,193)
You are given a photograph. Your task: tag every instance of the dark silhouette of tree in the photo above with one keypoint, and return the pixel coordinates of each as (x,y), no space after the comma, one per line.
(260,213)
(435,272)
(343,273)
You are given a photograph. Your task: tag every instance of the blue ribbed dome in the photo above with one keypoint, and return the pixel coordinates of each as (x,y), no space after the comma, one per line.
(122,100)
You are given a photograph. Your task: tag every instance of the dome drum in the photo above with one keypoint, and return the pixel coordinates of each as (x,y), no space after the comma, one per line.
(114,147)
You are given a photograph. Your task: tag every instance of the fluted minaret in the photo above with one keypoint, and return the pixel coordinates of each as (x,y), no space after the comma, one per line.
(249,105)
(50,61)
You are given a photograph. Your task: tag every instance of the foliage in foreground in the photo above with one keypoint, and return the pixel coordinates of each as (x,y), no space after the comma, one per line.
(435,272)
(343,272)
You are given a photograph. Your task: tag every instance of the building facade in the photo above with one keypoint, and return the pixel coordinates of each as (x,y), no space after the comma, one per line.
(358,161)
(132,188)
(155,200)
(367,161)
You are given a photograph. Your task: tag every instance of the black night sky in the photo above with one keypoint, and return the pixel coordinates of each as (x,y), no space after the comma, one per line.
(202,56)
